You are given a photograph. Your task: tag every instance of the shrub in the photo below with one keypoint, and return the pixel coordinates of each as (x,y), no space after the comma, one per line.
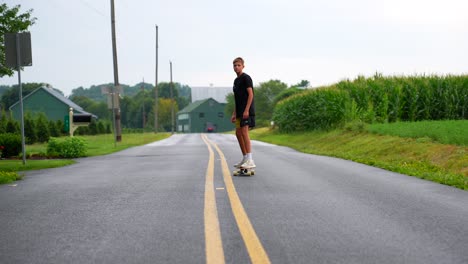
(11,145)
(42,128)
(100,127)
(7,177)
(375,100)
(70,147)
(30,131)
(12,126)
(286,94)
(312,110)
(54,129)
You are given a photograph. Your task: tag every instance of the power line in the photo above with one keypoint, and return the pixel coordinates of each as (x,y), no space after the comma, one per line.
(97,11)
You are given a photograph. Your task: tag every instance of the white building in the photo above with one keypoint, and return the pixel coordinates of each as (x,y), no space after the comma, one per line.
(217,93)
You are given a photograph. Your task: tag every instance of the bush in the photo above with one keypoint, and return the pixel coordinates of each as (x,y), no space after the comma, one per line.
(319,109)
(70,147)
(100,127)
(54,129)
(7,177)
(12,126)
(11,144)
(42,128)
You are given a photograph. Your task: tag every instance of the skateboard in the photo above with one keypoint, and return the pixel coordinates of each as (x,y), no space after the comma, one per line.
(244,172)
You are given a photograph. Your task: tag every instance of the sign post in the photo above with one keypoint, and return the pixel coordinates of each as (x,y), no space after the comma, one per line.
(18,54)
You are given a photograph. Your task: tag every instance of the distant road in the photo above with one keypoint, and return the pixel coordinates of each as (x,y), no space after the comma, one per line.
(175,201)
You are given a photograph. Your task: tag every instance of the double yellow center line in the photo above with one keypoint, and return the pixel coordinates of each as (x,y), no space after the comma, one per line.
(214,248)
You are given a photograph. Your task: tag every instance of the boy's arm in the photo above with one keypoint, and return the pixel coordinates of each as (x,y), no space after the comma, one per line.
(233,117)
(245,115)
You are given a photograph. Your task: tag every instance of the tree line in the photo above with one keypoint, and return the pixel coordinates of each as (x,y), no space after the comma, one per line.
(136,103)
(267,95)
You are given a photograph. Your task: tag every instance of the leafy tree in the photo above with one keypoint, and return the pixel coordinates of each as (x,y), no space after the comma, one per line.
(97,108)
(30,132)
(3,122)
(82,130)
(134,102)
(302,83)
(126,111)
(94,92)
(100,127)
(185,91)
(108,129)
(265,99)
(286,93)
(53,129)
(230,104)
(11,96)
(42,128)
(11,21)
(12,126)
(165,90)
(61,126)
(93,130)
(83,101)
(4,88)
(101,110)
(165,115)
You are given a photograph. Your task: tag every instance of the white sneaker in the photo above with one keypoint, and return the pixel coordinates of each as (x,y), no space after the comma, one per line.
(249,164)
(237,165)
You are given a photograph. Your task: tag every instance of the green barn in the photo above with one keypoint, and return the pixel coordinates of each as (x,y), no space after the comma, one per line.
(48,101)
(203,116)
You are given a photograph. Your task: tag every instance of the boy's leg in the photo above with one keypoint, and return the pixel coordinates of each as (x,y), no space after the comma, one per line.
(240,139)
(249,163)
(246,139)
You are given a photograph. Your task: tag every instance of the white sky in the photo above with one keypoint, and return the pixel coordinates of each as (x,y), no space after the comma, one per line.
(322,41)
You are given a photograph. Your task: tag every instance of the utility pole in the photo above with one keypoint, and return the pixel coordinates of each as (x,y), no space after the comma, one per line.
(115,89)
(143,104)
(156,92)
(172,100)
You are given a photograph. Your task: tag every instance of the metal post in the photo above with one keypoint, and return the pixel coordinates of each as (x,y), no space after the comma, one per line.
(156,92)
(18,63)
(172,101)
(70,121)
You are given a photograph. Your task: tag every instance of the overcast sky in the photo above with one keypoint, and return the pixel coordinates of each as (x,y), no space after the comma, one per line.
(322,41)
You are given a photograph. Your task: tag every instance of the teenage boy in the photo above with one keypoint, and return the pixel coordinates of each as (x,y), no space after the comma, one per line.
(244,112)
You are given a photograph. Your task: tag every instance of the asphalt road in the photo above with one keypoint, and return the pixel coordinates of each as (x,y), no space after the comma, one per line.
(175,201)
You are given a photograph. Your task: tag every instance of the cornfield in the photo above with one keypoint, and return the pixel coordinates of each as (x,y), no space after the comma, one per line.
(375,100)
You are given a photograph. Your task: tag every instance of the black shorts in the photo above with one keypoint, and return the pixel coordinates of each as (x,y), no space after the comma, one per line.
(245,122)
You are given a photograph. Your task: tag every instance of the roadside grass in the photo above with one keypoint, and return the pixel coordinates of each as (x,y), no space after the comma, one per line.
(96,145)
(8,177)
(446,132)
(442,163)
(104,144)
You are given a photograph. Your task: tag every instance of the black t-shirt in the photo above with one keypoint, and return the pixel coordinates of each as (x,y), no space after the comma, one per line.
(241,95)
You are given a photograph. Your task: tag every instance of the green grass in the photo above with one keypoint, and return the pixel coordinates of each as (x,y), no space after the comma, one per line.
(447,132)
(96,145)
(17,164)
(104,144)
(442,163)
